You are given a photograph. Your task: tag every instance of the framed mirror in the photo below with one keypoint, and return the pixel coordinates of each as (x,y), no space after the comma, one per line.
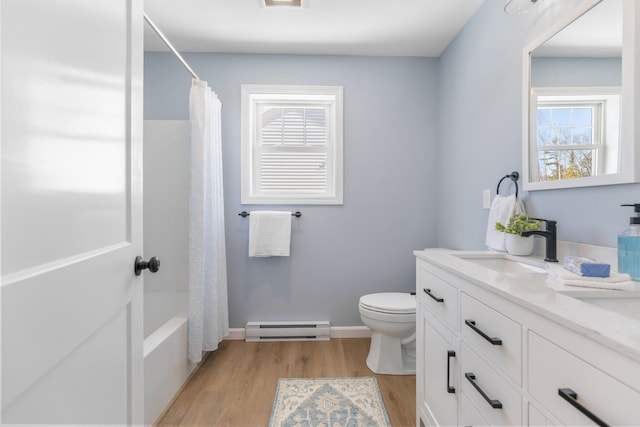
(579,101)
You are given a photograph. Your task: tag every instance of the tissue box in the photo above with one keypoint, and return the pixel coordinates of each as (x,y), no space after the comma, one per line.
(586,267)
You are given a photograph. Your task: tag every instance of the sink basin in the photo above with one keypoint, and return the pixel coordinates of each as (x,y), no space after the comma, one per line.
(501,263)
(627,305)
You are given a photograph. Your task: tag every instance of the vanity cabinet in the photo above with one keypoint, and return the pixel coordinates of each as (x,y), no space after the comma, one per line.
(483,359)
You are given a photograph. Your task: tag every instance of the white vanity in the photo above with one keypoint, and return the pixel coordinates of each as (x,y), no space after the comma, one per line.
(496,345)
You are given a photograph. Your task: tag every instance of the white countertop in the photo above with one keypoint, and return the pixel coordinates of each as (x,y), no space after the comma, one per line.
(540,295)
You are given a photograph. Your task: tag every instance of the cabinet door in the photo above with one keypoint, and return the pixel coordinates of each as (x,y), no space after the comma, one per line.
(437,384)
(576,392)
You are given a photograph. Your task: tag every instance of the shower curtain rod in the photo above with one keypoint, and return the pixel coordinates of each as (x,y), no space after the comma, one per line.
(170,46)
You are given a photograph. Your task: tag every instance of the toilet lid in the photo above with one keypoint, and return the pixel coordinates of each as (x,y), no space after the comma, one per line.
(389,302)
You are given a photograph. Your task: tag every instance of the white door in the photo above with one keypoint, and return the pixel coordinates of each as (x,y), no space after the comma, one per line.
(71,206)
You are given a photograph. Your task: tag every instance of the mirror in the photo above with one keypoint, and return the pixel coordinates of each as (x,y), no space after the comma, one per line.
(579,86)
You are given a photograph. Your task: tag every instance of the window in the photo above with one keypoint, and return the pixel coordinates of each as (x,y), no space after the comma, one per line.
(577,133)
(291,144)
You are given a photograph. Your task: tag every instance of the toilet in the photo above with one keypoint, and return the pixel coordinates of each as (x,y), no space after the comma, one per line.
(391,316)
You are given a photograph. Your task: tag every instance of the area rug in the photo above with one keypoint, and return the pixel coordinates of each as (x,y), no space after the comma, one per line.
(328,402)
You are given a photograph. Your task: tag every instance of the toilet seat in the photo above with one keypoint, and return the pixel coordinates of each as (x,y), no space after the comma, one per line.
(389,303)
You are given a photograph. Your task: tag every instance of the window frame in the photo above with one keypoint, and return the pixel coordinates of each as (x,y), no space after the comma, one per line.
(255,96)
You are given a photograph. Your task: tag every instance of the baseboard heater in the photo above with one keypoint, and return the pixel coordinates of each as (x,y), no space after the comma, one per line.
(288,331)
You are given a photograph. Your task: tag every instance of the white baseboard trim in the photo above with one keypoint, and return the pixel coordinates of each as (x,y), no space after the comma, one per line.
(350,332)
(336,332)
(235,334)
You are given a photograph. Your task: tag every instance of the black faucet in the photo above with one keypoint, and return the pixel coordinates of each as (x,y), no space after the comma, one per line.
(549,234)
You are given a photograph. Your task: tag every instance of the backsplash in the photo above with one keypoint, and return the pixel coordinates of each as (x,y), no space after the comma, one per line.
(599,253)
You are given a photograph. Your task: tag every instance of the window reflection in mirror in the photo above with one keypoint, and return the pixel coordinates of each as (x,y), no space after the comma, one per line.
(577,132)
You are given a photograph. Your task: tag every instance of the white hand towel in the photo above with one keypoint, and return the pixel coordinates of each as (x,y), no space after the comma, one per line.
(269,233)
(502,208)
(616,280)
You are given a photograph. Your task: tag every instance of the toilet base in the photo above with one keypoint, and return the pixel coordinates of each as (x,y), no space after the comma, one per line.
(387,355)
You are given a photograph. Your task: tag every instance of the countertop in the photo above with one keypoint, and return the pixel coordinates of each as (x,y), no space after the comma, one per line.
(542,296)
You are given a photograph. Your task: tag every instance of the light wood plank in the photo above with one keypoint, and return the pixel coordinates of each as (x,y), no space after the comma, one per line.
(236,385)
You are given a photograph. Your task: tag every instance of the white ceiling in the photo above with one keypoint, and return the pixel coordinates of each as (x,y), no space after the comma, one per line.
(327,27)
(596,33)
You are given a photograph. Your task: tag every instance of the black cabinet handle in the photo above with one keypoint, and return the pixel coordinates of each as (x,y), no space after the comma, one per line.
(472,325)
(450,354)
(495,404)
(572,397)
(428,292)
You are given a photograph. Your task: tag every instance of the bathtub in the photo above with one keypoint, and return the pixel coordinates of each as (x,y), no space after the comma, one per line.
(166,366)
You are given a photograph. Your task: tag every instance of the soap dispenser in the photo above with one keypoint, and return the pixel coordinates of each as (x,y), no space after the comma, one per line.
(629,247)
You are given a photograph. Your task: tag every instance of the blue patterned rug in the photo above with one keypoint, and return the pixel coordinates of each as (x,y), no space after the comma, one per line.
(328,402)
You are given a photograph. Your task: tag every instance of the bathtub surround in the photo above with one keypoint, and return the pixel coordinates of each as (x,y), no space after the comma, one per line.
(208,307)
(166,234)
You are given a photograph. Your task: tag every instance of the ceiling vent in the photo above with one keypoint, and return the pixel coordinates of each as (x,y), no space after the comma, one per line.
(297,4)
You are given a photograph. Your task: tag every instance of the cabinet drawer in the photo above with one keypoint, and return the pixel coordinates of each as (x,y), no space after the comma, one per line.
(497,401)
(496,336)
(439,296)
(469,415)
(552,369)
(537,418)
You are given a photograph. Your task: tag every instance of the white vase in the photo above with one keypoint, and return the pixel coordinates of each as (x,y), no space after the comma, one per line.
(518,245)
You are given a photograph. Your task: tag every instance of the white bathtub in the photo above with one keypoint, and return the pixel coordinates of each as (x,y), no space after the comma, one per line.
(166,366)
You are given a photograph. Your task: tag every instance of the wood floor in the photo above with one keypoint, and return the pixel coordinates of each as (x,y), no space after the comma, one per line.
(236,385)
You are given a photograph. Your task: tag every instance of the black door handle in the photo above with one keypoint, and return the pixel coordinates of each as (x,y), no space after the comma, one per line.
(572,397)
(140,264)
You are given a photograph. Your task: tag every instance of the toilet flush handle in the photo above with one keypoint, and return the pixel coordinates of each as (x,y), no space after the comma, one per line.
(140,264)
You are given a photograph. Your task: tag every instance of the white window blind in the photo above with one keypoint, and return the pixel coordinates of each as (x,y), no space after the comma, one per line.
(292,145)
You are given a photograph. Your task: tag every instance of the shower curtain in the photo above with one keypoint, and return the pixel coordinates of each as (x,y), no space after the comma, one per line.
(208,308)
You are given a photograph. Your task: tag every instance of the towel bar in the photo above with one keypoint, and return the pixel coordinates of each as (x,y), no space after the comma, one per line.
(245,214)
(514,177)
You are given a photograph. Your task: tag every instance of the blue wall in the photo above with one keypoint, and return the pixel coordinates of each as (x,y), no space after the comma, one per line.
(480,103)
(423,138)
(338,253)
(569,72)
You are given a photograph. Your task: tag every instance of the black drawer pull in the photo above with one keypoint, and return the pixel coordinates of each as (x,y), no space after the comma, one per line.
(428,292)
(495,404)
(472,325)
(572,397)
(450,354)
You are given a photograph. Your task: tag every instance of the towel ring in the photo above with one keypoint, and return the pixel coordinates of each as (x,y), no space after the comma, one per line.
(514,177)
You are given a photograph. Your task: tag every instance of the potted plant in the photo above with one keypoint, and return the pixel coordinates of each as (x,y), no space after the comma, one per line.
(516,244)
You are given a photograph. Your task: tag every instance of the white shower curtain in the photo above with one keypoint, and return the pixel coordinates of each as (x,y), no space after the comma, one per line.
(208,307)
